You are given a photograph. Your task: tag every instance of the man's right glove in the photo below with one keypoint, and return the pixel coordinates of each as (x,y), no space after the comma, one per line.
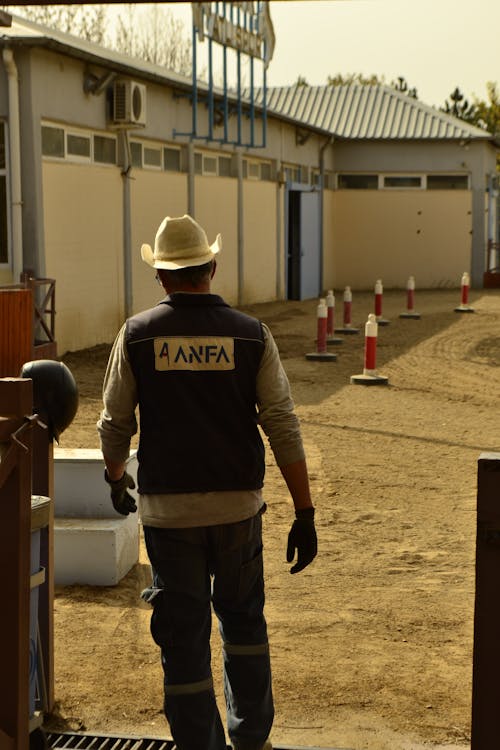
(302,537)
(123,502)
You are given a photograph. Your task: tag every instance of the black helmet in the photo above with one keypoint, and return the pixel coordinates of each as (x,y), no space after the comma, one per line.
(55,393)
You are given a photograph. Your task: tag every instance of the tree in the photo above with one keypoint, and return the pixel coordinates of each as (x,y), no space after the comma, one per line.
(401,85)
(487,114)
(459,106)
(88,22)
(345,79)
(153,34)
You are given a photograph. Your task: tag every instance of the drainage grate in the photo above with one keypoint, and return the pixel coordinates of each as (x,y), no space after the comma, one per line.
(85,741)
(58,741)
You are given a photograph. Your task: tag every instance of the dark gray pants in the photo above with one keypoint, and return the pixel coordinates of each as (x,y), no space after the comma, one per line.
(193,568)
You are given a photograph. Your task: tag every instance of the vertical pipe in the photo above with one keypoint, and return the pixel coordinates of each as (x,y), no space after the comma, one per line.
(226,111)
(194,105)
(191,179)
(278,240)
(210,92)
(241,243)
(15,164)
(127,227)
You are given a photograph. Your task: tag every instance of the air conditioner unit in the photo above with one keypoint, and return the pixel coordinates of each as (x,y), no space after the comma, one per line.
(129,102)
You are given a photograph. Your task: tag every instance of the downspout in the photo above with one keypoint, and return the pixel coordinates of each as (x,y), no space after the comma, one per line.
(240,229)
(127,227)
(322,149)
(15,164)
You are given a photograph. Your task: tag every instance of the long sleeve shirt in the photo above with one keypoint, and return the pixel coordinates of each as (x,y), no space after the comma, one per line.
(277,418)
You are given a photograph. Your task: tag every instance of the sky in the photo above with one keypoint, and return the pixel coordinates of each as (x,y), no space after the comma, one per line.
(436,45)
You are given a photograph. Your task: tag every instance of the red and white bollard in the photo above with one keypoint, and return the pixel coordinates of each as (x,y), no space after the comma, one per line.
(379,293)
(464,299)
(347,321)
(410,300)
(370,375)
(321,352)
(330,320)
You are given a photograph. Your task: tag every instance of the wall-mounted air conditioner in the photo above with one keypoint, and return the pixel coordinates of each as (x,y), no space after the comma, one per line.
(129,102)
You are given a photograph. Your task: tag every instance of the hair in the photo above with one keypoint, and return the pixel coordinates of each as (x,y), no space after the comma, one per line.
(192,275)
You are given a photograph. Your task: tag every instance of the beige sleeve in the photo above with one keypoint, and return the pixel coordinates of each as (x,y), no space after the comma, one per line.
(276,409)
(118,422)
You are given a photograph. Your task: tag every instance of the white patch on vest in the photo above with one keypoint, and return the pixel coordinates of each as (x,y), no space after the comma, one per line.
(194,353)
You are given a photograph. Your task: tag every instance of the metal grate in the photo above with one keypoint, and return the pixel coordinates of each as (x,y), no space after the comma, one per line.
(57,741)
(85,741)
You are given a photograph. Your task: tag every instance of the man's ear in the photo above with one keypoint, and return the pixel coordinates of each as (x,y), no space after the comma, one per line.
(214,267)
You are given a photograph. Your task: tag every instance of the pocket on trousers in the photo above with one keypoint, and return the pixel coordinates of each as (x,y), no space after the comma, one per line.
(251,578)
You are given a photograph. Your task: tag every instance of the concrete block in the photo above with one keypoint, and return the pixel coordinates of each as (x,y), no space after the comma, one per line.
(95,551)
(79,487)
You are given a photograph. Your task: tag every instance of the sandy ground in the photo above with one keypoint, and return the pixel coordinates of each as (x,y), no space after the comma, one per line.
(371,645)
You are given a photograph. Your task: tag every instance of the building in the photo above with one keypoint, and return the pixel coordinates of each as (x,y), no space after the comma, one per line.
(347,184)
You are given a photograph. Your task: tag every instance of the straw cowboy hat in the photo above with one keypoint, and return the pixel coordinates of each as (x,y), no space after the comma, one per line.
(179,243)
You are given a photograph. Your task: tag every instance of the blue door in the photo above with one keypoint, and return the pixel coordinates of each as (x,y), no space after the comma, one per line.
(303,244)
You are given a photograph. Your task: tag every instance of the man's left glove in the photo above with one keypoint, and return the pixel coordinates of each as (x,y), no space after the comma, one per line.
(302,537)
(123,502)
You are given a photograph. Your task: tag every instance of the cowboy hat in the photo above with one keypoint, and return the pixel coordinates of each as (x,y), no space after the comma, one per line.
(179,243)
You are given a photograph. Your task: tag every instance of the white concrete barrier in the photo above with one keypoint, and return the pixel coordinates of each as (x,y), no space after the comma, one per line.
(93,544)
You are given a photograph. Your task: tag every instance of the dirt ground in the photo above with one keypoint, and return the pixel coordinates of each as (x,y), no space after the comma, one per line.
(372,644)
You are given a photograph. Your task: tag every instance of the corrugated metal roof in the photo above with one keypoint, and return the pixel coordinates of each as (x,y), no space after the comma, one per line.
(354,111)
(359,111)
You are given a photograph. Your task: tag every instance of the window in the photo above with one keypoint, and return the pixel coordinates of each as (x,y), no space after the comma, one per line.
(53,141)
(78,145)
(172,159)
(4,249)
(152,157)
(209,165)
(403,181)
(198,162)
(104,149)
(358,182)
(224,166)
(136,154)
(447,182)
(265,171)
(253,170)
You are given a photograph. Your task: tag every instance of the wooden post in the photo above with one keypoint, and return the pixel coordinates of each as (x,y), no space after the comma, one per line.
(16,401)
(485,730)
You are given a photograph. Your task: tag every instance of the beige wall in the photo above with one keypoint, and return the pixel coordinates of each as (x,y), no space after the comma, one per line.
(216,209)
(83,246)
(6,276)
(154,195)
(391,235)
(328,240)
(259,242)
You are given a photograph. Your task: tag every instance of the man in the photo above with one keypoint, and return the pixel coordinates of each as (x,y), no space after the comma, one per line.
(204,376)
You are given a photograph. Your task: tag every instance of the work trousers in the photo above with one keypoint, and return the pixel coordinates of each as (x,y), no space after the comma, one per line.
(195,568)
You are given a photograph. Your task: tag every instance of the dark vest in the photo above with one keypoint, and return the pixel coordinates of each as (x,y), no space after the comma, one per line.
(195,360)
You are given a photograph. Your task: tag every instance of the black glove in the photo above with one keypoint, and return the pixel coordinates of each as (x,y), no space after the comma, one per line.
(123,502)
(302,537)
